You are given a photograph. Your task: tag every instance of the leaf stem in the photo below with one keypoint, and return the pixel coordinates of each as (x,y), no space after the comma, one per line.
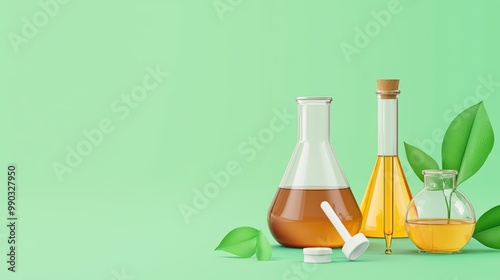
(448,203)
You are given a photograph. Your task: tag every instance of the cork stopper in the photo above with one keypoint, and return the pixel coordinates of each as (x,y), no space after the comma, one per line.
(392,84)
(388,89)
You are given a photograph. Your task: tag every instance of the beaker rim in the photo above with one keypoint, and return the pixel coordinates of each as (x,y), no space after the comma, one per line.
(314,98)
(442,172)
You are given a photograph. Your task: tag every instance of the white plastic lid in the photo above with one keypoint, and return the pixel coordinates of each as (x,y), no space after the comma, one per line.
(355,246)
(317,255)
(317,251)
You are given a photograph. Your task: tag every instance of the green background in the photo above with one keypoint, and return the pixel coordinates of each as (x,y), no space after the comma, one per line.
(116,215)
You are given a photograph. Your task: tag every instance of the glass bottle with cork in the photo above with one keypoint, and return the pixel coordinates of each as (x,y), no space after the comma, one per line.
(387,194)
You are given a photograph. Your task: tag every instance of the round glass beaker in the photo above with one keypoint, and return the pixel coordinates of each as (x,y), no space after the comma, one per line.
(440,218)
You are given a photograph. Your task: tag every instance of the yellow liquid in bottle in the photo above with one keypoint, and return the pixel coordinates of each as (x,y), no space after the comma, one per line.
(387,181)
(440,235)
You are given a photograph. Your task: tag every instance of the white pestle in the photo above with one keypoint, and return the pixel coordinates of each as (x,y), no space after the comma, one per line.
(354,245)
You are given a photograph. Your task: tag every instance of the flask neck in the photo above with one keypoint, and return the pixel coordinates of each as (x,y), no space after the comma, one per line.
(314,119)
(388,123)
(436,180)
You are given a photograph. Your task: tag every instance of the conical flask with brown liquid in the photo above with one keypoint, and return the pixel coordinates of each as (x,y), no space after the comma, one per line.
(313,175)
(387,195)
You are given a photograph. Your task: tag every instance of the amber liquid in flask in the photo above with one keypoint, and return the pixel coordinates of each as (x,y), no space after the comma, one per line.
(387,195)
(313,175)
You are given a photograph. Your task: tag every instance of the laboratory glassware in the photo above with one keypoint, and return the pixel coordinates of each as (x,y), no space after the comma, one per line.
(440,218)
(313,175)
(387,195)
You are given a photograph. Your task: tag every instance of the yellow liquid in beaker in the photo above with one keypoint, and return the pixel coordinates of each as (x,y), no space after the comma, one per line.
(440,235)
(387,171)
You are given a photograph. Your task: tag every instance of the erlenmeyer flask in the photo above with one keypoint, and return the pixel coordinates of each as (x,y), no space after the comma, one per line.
(313,175)
(387,194)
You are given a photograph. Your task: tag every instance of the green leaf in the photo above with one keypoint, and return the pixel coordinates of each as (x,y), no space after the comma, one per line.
(487,229)
(240,241)
(468,142)
(263,251)
(419,160)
